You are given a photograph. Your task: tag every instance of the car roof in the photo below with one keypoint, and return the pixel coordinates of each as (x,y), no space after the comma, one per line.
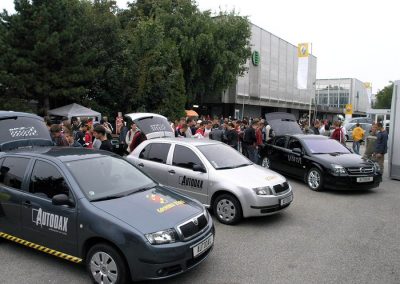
(4,113)
(188,141)
(63,154)
(309,136)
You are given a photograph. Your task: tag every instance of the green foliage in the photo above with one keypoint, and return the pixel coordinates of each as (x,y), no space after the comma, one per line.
(156,56)
(384,98)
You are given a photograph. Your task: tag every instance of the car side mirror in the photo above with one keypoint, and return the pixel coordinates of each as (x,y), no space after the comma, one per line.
(198,168)
(297,151)
(61,199)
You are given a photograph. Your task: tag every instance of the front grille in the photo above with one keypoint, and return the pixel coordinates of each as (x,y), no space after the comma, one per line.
(281,187)
(360,170)
(189,228)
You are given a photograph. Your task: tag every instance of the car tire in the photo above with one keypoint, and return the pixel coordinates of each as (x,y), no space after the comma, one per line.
(314,179)
(266,163)
(103,262)
(227,209)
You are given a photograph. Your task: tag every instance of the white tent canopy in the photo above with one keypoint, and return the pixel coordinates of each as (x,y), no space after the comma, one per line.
(74,110)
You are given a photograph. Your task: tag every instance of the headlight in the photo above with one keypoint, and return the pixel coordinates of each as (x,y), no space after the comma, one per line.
(265,190)
(377,168)
(161,237)
(338,170)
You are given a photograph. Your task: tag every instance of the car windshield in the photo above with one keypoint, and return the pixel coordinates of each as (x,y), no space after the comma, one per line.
(108,177)
(325,146)
(223,157)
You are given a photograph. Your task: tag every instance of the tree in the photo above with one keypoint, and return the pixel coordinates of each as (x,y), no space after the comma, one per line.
(49,55)
(157,75)
(384,98)
(212,51)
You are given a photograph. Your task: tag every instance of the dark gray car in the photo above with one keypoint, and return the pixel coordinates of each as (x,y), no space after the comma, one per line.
(94,207)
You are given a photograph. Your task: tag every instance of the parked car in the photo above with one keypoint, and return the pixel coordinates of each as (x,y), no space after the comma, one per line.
(318,160)
(94,207)
(350,126)
(359,120)
(213,173)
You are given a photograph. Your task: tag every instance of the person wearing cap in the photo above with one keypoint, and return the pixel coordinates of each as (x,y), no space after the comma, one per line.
(100,133)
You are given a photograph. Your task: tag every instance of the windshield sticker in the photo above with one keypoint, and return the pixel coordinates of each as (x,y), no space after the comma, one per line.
(170,206)
(156,198)
(157,127)
(270,177)
(23,131)
(191,182)
(294,159)
(53,222)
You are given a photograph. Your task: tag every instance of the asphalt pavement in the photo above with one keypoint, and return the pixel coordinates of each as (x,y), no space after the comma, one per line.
(323,237)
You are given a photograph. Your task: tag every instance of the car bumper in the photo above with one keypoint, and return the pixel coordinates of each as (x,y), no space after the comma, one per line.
(350,182)
(164,261)
(268,205)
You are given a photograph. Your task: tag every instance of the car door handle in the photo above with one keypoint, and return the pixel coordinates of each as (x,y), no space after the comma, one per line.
(141,165)
(27,204)
(171,171)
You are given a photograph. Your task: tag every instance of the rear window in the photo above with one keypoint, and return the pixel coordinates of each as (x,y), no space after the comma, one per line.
(20,128)
(12,172)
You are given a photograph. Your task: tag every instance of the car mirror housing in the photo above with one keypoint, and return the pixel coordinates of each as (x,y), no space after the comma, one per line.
(198,168)
(297,151)
(61,199)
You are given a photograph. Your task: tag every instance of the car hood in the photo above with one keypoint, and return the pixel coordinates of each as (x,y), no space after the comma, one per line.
(151,210)
(152,125)
(256,176)
(344,160)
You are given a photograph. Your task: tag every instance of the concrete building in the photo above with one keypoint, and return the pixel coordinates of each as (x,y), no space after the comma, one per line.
(270,83)
(332,96)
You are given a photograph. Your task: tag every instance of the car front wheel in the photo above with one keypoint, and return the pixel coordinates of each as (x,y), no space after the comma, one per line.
(106,265)
(314,179)
(227,209)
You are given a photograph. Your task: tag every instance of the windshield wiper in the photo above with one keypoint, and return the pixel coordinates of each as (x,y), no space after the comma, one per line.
(108,197)
(225,168)
(233,167)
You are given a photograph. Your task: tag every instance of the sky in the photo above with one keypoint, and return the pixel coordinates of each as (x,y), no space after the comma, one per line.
(351,39)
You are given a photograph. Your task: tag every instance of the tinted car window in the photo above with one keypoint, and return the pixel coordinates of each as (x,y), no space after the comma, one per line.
(158,152)
(12,171)
(46,181)
(280,141)
(145,152)
(326,146)
(185,158)
(294,143)
(108,176)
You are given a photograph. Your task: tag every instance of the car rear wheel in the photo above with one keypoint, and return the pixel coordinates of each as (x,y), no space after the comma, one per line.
(227,209)
(266,162)
(106,265)
(314,179)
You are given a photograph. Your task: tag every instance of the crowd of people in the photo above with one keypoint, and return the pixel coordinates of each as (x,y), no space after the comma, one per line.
(246,136)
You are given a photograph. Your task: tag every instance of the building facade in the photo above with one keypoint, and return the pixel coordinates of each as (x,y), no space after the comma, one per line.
(332,96)
(270,83)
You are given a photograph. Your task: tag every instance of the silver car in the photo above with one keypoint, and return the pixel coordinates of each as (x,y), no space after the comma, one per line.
(209,171)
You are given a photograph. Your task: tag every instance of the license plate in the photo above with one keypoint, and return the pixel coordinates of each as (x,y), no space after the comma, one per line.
(286,200)
(202,247)
(365,179)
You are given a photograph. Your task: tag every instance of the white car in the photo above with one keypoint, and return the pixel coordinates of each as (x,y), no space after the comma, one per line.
(209,171)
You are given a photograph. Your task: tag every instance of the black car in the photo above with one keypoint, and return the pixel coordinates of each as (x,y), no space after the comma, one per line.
(318,160)
(94,207)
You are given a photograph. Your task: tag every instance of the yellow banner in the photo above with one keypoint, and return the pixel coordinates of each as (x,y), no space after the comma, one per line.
(302,50)
(349,109)
(368,85)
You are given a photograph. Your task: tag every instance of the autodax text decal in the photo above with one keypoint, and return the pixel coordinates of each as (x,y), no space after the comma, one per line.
(192,182)
(53,222)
